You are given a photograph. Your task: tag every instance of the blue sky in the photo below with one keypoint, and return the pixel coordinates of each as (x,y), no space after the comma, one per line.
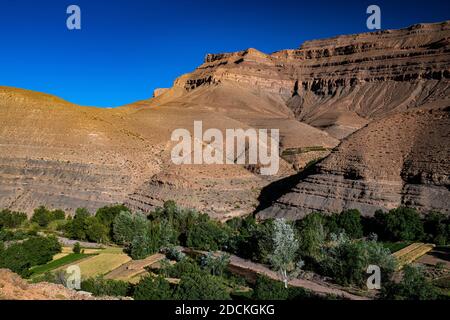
(126,48)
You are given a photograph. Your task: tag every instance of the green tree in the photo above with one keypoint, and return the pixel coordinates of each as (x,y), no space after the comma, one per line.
(100,286)
(106,216)
(215,264)
(268,289)
(42,216)
(153,288)
(207,235)
(347,260)
(77,227)
(201,286)
(141,247)
(95,230)
(126,225)
(77,248)
(413,286)
(312,236)
(401,224)
(349,221)
(57,215)
(10,219)
(168,234)
(437,228)
(20,257)
(285,246)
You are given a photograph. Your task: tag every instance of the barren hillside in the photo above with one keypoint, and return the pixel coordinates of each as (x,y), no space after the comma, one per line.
(402,159)
(66,156)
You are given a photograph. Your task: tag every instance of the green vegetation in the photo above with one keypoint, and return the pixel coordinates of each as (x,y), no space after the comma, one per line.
(105,287)
(86,227)
(346,261)
(21,256)
(338,246)
(77,248)
(401,224)
(42,216)
(284,254)
(11,219)
(70,258)
(153,288)
(413,286)
(395,246)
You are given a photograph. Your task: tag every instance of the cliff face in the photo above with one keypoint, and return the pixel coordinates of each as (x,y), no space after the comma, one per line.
(342,83)
(66,156)
(402,159)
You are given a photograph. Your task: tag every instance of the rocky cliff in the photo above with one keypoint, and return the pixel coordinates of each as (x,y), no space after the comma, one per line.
(401,159)
(66,156)
(340,84)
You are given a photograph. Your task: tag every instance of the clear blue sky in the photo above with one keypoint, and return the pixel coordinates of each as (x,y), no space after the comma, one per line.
(126,48)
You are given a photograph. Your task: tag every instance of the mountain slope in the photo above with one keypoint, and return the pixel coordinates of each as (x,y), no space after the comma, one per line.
(65,156)
(402,159)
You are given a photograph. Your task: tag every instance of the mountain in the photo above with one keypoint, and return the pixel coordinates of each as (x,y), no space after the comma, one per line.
(66,156)
(402,159)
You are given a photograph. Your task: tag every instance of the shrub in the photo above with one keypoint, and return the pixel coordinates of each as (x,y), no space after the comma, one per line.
(401,224)
(153,288)
(437,228)
(77,248)
(207,235)
(347,261)
(312,236)
(413,286)
(106,287)
(106,216)
(20,257)
(201,286)
(268,289)
(127,225)
(10,219)
(41,216)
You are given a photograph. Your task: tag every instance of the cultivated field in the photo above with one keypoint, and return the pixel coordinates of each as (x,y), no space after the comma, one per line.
(412,253)
(132,271)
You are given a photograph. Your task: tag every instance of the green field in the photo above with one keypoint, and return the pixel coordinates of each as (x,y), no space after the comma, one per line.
(59,263)
(395,246)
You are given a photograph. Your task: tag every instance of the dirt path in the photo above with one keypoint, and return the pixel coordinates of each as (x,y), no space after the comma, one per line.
(247,268)
(250,270)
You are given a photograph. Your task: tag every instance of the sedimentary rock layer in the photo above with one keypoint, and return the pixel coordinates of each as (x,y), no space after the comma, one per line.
(402,159)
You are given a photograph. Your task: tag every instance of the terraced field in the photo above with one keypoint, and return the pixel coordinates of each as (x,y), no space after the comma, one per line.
(411,253)
(132,271)
(102,264)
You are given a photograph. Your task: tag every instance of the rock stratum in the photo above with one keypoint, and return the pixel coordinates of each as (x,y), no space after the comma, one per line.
(383,94)
(402,159)
(13,287)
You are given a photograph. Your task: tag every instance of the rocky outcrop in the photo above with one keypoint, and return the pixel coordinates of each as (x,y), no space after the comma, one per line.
(399,160)
(13,287)
(159,91)
(65,156)
(340,84)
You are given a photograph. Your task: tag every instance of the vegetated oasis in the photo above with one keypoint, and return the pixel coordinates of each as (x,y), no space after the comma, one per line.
(337,248)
